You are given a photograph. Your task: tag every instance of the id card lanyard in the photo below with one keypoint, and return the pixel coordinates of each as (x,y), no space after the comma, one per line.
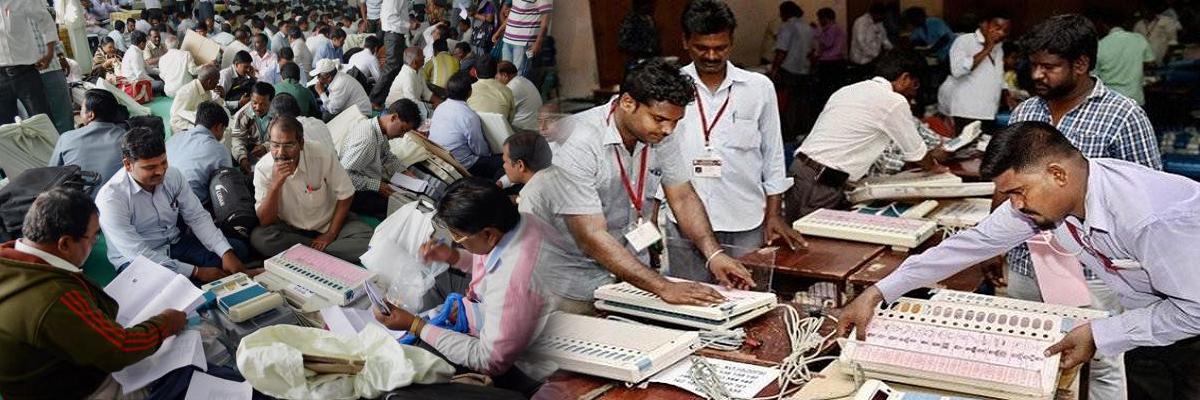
(705,126)
(634,197)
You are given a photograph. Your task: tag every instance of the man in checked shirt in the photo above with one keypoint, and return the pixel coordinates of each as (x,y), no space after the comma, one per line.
(1098,121)
(368,158)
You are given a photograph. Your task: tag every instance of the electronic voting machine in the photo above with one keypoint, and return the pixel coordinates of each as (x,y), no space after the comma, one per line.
(311,280)
(241,298)
(917,185)
(959,346)
(612,349)
(739,306)
(859,227)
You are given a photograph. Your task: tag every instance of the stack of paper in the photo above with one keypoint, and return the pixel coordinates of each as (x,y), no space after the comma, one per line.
(351,321)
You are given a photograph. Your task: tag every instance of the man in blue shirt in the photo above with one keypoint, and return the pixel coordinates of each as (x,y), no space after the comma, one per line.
(96,146)
(140,210)
(197,153)
(333,48)
(456,127)
(929,31)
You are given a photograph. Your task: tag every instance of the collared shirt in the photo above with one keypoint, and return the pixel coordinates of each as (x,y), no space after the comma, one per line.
(246,128)
(440,68)
(539,197)
(457,128)
(367,157)
(315,44)
(267,66)
(831,43)
(868,40)
(491,96)
(302,57)
(936,34)
(304,97)
(795,38)
(230,52)
(93,147)
(1120,58)
(591,184)
(368,64)
(409,84)
(176,68)
(393,15)
(278,41)
(1161,32)
(315,130)
(972,93)
(524,21)
(505,305)
(19,46)
(1105,125)
(53,260)
(197,155)
(1133,214)
(153,51)
(133,65)
(858,124)
(137,222)
(747,138)
(118,40)
(142,25)
(187,100)
(345,92)
(327,51)
(310,195)
(373,9)
(528,103)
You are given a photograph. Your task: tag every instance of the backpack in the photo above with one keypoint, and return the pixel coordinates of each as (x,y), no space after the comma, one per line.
(18,195)
(232,200)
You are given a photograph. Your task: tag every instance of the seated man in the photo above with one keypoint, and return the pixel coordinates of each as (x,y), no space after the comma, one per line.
(60,338)
(265,61)
(238,80)
(133,65)
(250,126)
(95,146)
(504,304)
(140,210)
(441,65)
(203,88)
(315,130)
(332,48)
(302,196)
(368,158)
(198,153)
(409,83)
(290,83)
(528,162)
(466,58)
(490,95)
(339,91)
(367,60)
(526,97)
(176,67)
(154,50)
(456,127)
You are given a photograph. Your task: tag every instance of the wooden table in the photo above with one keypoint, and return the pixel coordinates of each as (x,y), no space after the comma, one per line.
(887,261)
(825,260)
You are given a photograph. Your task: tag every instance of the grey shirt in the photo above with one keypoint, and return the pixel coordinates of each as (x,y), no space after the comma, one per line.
(588,181)
(93,147)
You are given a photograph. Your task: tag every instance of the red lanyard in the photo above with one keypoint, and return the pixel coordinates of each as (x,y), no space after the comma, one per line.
(1108,264)
(640,195)
(705,126)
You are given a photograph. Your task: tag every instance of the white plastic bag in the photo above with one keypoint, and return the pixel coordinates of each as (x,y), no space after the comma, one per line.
(395,257)
(271,359)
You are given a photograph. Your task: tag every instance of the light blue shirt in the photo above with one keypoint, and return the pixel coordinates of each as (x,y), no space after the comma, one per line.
(936,34)
(457,128)
(137,222)
(1145,221)
(93,147)
(327,51)
(197,155)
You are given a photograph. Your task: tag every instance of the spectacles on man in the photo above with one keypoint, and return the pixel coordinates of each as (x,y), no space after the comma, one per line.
(283,146)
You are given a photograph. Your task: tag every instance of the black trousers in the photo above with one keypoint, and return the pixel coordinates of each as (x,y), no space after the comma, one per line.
(21,83)
(1164,373)
(369,203)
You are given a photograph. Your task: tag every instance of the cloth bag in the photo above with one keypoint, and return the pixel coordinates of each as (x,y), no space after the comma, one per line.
(140,91)
(271,359)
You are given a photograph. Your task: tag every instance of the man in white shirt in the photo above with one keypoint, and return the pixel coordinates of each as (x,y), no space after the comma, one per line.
(790,68)
(176,68)
(204,88)
(868,37)
(133,65)
(859,122)
(369,10)
(365,60)
(265,62)
(240,43)
(393,15)
(338,90)
(300,54)
(280,39)
(23,57)
(1160,28)
(733,128)
(409,83)
(319,40)
(527,98)
(117,35)
(972,91)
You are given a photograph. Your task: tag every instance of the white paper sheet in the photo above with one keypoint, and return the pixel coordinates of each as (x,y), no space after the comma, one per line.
(350,321)
(176,352)
(144,289)
(741,380)
(408,182)
(208,387)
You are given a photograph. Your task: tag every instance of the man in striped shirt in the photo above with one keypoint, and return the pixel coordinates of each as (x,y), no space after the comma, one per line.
(504,304)
(524,31)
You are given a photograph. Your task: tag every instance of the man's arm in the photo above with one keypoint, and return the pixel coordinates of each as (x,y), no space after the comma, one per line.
(243,140)
(78,328)
(268,190)
(774,175)
(693,223)
(124,242)
(199,220)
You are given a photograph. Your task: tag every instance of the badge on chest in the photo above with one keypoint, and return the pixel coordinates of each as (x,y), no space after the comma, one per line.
(643,235)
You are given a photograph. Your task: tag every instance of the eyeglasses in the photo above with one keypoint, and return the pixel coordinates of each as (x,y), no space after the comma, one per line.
(284,146)
(456,238)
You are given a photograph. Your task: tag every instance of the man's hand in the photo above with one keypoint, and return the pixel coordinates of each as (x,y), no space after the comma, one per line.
(231,264)
(689,293)
(385,190)
(1076,348)
(245,99)
(258,151)
(283,169)
(324,240)
(246,167)
(775,228)
(858,313)
(320,86)
(220,91)
(993,36)
(535,49)
(173,321)
(730,273)
(399,320)
(209,274)
(434,251)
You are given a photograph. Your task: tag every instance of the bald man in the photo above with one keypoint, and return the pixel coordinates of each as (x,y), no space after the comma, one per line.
(188,98)
(409,83)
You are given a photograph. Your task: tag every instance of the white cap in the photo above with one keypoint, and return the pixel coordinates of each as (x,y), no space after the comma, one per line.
(324,65)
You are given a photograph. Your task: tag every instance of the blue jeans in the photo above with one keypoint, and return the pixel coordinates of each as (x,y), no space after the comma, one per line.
(516,55)
(189,250)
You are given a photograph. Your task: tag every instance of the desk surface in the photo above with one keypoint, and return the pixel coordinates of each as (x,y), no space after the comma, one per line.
(887,261)
(824,259)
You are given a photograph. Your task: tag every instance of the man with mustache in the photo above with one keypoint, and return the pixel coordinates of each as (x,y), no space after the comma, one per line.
(1100,123)
(1133,226)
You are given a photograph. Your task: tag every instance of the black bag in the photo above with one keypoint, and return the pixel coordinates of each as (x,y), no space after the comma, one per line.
(232,199)
(18,196)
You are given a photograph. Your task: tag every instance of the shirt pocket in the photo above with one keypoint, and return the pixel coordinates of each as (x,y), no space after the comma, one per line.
(744,135)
